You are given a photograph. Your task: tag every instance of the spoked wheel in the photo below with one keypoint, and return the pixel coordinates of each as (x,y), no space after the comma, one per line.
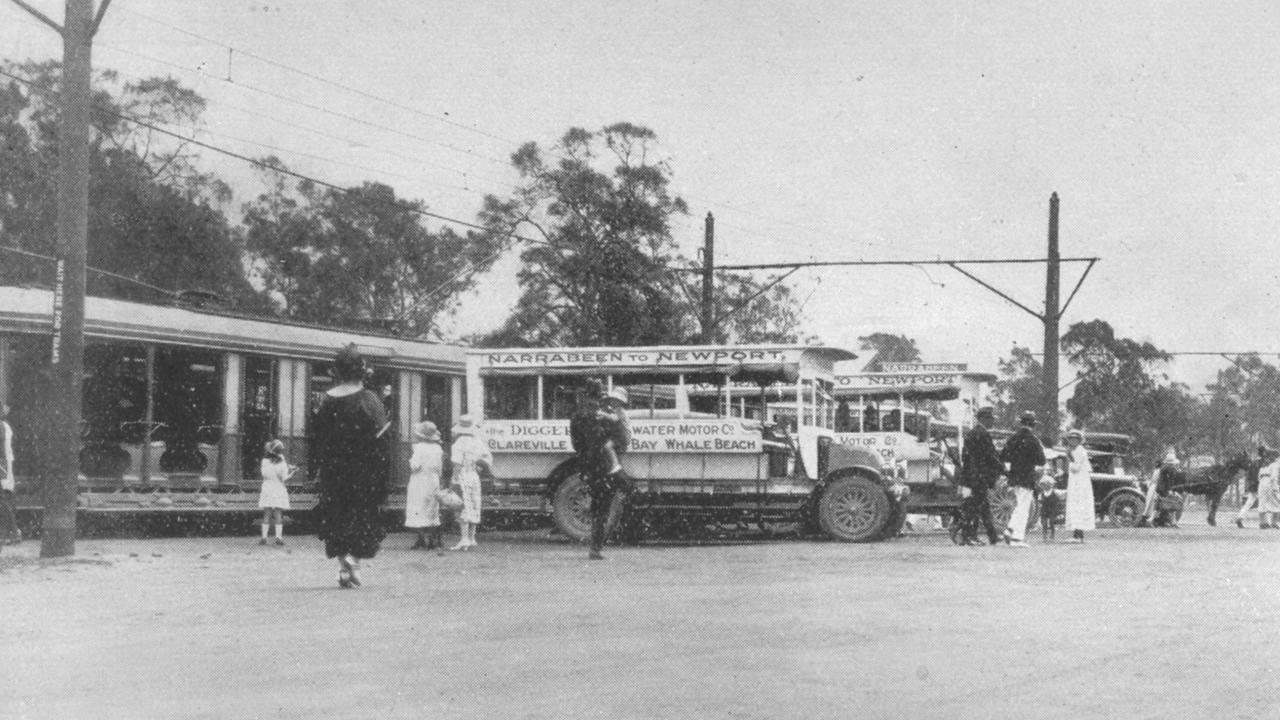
(1124,509)
(571,508)
(853,510)
(1002,503)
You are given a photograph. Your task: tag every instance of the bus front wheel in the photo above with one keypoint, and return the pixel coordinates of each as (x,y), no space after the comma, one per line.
(853,509)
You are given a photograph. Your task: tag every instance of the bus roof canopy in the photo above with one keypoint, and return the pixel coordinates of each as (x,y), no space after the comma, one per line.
(759,364)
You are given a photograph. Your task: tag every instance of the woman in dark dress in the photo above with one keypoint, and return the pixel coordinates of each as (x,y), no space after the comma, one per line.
(347,448)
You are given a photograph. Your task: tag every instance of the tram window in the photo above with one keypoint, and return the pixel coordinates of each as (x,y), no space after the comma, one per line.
(188,403)
(258,412)
(436,405)
(29,390)
(114,401)
(511,398)
(320,381)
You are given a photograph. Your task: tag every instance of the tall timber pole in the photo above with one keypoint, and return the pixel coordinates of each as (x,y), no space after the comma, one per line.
(1049,404)
(708,280)
(58,529)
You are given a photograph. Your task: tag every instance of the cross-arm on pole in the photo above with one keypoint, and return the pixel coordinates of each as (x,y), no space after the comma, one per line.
(993,289)
(40,16)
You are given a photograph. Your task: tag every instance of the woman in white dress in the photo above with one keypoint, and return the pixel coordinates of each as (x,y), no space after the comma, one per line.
(1080,511)
(470,458)
(421,508)
(1269,493)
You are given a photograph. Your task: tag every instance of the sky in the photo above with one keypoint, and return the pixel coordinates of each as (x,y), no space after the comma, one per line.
(811,130)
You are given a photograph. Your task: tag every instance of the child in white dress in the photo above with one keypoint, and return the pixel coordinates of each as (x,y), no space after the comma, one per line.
(273,498)
(470,458)
(422,508)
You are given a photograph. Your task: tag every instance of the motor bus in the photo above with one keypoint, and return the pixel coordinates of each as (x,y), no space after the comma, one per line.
(896,414)
(178,401)
(737,434)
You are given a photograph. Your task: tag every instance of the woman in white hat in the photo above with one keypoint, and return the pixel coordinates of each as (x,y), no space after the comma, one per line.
(1080,510)
(421,508)
(469,457)
(1269,492)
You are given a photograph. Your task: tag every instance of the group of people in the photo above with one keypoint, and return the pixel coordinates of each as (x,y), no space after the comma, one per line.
(349,459)
(1021,459)
(1262,490)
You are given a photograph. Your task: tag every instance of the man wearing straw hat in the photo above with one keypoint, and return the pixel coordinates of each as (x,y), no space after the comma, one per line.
(1025,456)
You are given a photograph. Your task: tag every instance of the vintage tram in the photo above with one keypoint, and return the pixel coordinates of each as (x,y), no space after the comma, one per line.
(178,401)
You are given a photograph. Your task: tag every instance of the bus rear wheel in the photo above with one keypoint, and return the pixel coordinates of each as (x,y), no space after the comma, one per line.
(853,509)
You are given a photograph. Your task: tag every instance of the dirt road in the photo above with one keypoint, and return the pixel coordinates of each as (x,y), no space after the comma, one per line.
(1134,624)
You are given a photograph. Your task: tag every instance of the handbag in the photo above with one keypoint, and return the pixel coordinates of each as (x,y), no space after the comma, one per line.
(449,499)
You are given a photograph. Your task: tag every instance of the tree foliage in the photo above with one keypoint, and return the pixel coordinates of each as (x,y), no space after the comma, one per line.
(1113,373)
(1018,387)
(888,348)
(600,270)
(153,215)
(360,256)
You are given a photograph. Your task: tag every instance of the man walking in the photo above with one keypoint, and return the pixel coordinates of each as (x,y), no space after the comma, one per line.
(599,433)
(980,468)
(1025,456)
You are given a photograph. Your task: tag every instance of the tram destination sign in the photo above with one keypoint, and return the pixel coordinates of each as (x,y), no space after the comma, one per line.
(728,435)
(908,367)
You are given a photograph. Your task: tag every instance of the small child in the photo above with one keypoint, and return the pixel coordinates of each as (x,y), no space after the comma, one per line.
(1050,506)
(273,498)
(612,413)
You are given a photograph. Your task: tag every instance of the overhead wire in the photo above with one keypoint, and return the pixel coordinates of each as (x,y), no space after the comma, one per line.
(322,79)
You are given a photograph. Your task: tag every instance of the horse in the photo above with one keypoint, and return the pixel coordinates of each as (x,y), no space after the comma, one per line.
(1210,482)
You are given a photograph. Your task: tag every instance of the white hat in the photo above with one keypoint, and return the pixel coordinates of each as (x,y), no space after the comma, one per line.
(466,426)
(619,393)
(1171,457)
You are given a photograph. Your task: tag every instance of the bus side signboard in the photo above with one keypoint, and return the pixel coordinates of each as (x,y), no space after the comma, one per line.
(719,435)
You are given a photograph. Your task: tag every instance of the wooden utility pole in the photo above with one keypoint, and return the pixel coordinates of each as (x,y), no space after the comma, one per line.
(708,280)
(1049,403)
(58,530)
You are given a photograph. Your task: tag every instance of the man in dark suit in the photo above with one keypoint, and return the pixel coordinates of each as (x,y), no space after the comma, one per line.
(980,468)
(1025,456)
(600,433)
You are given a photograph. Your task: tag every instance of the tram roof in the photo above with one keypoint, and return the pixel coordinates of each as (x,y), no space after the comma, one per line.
(917,385)
(29,310)
(760,364)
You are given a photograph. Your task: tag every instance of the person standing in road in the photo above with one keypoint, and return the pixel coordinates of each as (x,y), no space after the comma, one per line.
(1080,513)
(1269,492)
(347,451)
(8,485)
(1158,487)
(471,459)
(421,506)
(1025,456)
(980,468)
(273,496)
(1250,500)
(592,428)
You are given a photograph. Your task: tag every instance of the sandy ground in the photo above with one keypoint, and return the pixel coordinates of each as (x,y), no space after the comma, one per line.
(1133,624)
